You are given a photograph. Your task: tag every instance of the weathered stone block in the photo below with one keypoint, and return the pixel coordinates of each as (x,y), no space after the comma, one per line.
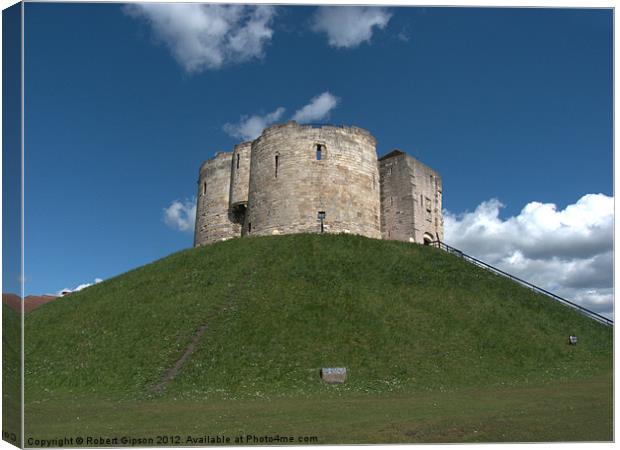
(334,375)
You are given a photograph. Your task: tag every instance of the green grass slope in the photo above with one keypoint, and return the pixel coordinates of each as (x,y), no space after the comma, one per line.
(11,375)
(400,317)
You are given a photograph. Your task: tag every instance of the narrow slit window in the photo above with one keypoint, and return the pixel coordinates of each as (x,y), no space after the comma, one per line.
(237,160)
(277,162)
(204,188)
(249,227)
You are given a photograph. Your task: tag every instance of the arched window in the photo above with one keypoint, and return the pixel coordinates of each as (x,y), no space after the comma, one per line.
(320,152)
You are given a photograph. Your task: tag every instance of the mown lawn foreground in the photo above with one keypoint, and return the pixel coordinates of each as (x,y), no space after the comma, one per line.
(571,411)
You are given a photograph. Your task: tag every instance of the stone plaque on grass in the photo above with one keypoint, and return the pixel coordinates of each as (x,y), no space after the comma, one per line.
(334,375)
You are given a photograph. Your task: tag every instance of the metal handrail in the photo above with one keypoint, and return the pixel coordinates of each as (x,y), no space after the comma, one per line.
(443,246)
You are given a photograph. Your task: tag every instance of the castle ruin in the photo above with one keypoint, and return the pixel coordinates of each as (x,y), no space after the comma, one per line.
(310,179)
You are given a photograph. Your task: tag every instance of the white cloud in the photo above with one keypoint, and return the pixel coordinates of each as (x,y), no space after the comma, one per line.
(568,252)
(318,108)
(349,26)
(79,287)
(403,36)
(249,128)
(203,37)
(181,215)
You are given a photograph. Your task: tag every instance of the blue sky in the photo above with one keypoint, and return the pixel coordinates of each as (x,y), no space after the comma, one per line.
(122,104)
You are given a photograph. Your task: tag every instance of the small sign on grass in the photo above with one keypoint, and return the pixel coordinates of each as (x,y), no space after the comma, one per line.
(334,375)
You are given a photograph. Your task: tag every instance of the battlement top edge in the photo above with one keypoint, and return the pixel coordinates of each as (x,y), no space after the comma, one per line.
(218,155)
(396,152)
(240,145)
(352,129)
(392,153)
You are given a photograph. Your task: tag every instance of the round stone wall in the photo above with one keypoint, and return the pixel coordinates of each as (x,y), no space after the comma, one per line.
(240,182)
(240,178)
(290,184)
(212,214)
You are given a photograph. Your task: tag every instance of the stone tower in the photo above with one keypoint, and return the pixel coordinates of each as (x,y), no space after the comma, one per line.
(309,179)
(410,199)
(212,204)
(298,172)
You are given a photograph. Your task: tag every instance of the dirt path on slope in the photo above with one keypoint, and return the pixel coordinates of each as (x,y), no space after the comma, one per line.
(191,347)
(174,370)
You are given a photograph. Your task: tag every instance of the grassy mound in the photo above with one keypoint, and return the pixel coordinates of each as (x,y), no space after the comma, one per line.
(11,375)
(400,317)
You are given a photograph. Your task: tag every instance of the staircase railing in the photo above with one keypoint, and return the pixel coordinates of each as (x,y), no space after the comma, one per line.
(585,311)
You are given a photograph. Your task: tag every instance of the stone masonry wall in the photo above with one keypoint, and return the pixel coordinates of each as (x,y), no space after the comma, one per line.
(411,199)
(239,183)
(428,205)
(212,220)
(397,201)
(240,178)
(289,185)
